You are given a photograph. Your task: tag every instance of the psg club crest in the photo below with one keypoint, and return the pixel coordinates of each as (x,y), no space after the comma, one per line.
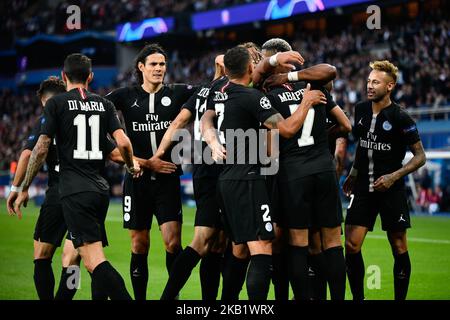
(387,125)
(165,101)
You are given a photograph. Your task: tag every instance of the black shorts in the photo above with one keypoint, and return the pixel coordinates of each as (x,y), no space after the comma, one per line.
(392,205)
(310,201)
(85,215)
(247,209)
(51,226)
(272,189)
(144,197)
(206,198)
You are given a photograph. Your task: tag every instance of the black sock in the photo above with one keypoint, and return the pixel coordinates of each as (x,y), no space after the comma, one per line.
(97,292)
(402,272)
(170,259)
(180,272)
(44,280)
(210,267)
(335,262)
(139,275)
(317,281)
(258,277)
(234,272)
(355,274)
(110,281)
(298,271)
(65,291)
(280,276)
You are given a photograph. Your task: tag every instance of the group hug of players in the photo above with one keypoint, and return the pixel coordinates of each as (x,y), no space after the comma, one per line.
(250,227)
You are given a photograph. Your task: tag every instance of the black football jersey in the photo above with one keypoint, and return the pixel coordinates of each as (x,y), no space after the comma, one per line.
(80,122)
(307,152)
(240,108)
(383,139)
(148,115)
(52,157)
(197,106)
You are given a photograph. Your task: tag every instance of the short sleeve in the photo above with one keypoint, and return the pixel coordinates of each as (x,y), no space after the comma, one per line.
(33,137)
(191,103)
(185,90)
(112,121)
(330,101)
(110,145)
(49,119)
(408,128)
(260,106)
(117,97)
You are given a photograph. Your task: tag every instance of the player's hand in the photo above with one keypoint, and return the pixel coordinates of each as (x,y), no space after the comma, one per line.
(138,171)
(347,187)
(219,153)
(384,182)
(313,97)
(286,60)
(275,80)
(157,165)
(21,199)
(10,202)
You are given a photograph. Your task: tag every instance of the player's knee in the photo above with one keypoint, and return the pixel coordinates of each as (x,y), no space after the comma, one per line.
(43,251)
(352,246)
(140,242)
(70,257)
(172,245)
(399,246)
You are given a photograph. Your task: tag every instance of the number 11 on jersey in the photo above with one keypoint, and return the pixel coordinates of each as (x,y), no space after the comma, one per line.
(80,152)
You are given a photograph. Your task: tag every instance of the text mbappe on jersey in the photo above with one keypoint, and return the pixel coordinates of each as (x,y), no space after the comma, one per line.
(85,105)
(152,123)
(291,96)
(371,143)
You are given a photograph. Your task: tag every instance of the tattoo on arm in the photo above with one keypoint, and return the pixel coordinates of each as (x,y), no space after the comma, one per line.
(272,121)
(416,161)
(37,159)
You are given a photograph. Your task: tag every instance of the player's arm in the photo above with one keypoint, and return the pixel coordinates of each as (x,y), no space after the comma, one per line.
(320,74)
(385,182)
(349,182)
(345,126)
(37,158)
(339,154)
(125,149)
(288,127)
(209,133)
(267,66)
(18,179)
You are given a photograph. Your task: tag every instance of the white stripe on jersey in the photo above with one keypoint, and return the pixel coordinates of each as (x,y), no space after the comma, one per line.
(370,154)
(153,143)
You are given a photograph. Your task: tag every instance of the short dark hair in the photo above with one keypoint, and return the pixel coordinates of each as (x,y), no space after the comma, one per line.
(142,55)
(53,85)
(236,61)
(275,45)
(77,67)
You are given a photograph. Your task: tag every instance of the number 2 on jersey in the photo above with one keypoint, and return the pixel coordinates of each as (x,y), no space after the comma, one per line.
(305,139)
(80,152)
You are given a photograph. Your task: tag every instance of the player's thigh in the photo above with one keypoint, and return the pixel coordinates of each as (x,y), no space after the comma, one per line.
(325,198)
(92,255)
(85,215)
(247,210)
(296,206)
(50,226)
(362,210)
(167,195)
(138,202)
(70,255)
(394,210)
(208,209)
(260,247)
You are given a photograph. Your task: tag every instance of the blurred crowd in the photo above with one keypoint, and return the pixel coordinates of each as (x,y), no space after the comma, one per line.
(421,50)
(24,18)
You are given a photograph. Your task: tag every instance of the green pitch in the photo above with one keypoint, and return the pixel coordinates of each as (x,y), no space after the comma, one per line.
(429,247)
